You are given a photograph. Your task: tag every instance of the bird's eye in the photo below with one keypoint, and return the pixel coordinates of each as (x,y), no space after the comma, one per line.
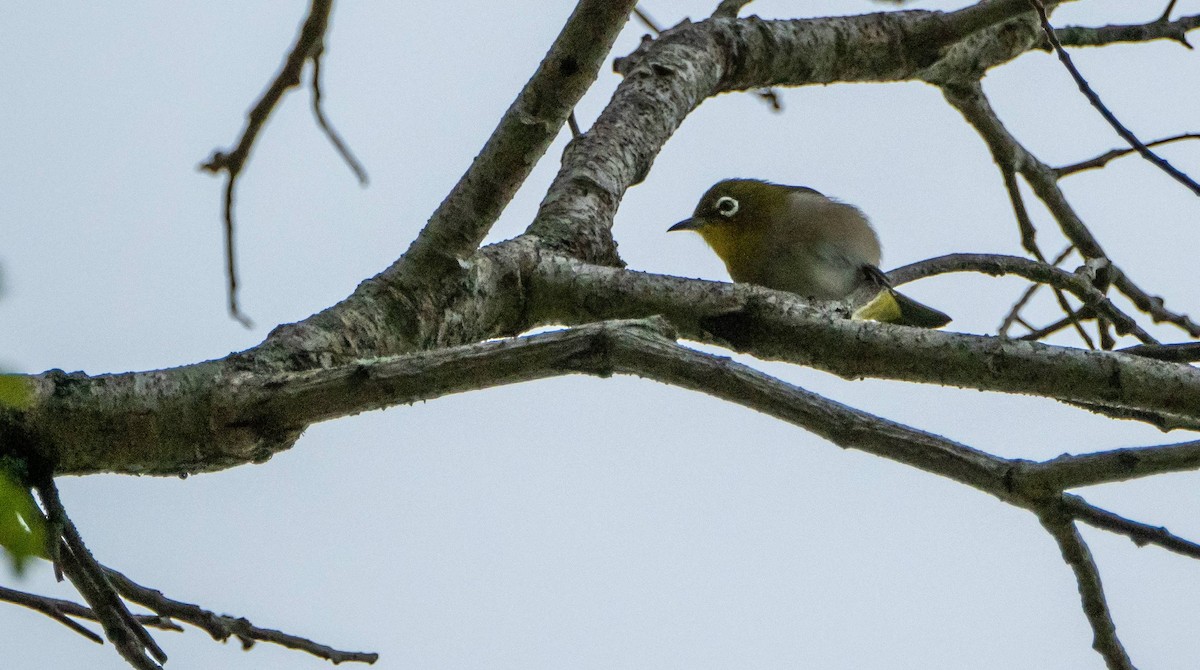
(727,206)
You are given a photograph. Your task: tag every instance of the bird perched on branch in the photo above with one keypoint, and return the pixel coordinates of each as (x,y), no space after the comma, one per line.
(793,238)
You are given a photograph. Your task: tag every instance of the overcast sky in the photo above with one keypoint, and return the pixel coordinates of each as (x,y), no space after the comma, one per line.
(577,522)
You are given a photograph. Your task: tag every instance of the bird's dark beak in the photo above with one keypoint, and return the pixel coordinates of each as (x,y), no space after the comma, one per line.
(686,224)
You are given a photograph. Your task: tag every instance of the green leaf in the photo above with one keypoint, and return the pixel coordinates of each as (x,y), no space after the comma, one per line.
(16,391)
(22,526)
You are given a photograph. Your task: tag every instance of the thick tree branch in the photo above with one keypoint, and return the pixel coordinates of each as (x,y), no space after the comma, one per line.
(779,326)
(524,132)
(155,422)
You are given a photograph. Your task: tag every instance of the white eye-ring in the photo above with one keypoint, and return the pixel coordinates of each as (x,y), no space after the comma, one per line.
(727,206)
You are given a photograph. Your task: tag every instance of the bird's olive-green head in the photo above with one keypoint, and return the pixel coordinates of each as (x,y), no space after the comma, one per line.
(736,218)
(744,202)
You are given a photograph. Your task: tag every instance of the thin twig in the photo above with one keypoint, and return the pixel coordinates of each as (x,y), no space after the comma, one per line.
(56,609)
(1024,222)
(1152,304)
(232,161)
(646,20)
(1104,158)
(220,627)
(319,112)
(1014,314)
(1072,316)
(1166,15)
(1058,522)
(1036,334)
(1141,534)
(128,635)
(1087,91)
(230,254)
(1029,243)
(62,610)
(1009,154)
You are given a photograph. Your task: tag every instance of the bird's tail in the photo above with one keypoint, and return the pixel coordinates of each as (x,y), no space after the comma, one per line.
(890,306)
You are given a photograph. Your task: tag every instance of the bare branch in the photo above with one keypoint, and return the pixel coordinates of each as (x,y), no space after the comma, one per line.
(308,42)
(970,100)
(120,627)
(1037,334)
(1166,15)
(1140,533)
(1105,112)
(1184,352)
(1117,465)
(62,611)
(230,255)
(524,133)
(1103,159)
(1024,222)
(727,9)
(1162,28)
(646,20)
(1091,592)
(55,608)
(1152,304)
(1014,314)
(779,326)
(1078,284)
(222,626)
(319,112)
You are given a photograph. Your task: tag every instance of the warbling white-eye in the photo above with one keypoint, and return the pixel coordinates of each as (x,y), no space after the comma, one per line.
(792,238)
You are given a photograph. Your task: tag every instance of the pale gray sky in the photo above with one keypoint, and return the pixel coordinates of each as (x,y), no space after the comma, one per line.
(574,523)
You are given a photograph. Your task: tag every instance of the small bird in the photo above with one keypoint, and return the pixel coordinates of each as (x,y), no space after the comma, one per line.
(793,238)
